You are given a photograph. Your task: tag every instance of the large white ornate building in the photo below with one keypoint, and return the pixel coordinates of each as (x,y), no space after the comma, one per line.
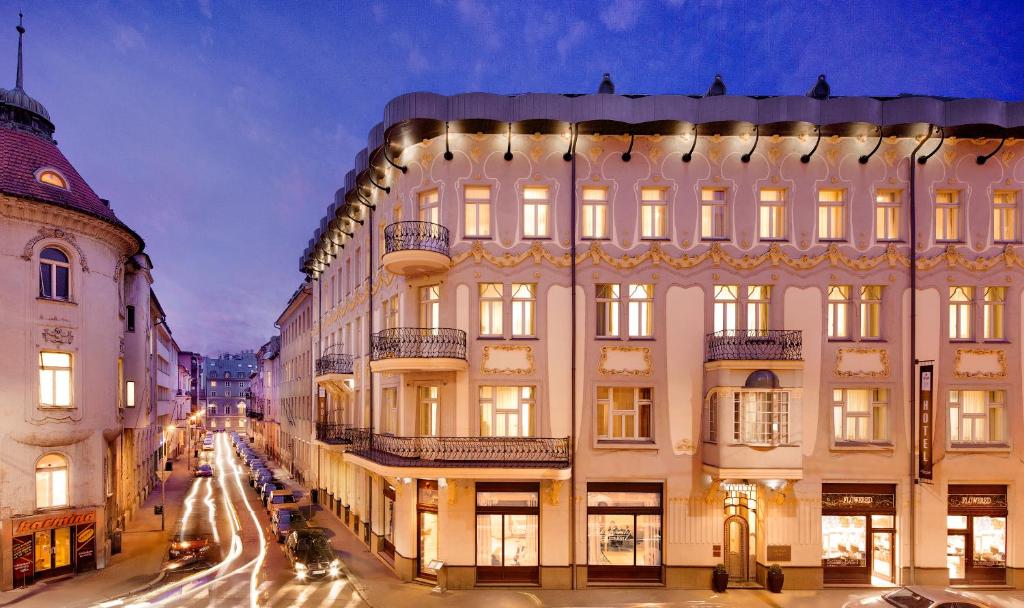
(573,340)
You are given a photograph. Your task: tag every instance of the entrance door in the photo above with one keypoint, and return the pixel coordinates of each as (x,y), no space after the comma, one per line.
(956,557)
(881,556)
(736,547)
(44,553)
(428,543)
(52,549)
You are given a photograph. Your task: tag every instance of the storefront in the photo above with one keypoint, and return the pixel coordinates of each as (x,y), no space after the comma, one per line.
(387,539)
(624,524)
(426,527)
(53,544)
(858,533)
(507,525)
(976,535)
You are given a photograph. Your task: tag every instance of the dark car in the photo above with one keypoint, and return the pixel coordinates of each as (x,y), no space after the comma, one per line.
(204,470)
(311,555)
(283,521)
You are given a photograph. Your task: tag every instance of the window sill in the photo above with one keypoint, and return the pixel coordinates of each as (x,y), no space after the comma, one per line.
(713,239)
(524,338)
(622,444)
(856,446)
(536,238)
(1000,341)
(467,237)
(995,448)
(962,341)
(780,239)
(56,300)
(830,241)
(595,238)
(763,446)
(663,239)
(57,408)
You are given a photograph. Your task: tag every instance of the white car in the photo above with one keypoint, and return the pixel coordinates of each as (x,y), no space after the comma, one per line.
(920,597)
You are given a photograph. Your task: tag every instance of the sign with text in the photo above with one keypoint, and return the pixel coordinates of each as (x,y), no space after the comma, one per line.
(85,547)
(925,421)
(23,563)
(54,520)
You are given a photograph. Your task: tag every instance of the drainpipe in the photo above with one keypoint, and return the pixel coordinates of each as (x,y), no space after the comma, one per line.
(572,358)
(369,340)
(913,356)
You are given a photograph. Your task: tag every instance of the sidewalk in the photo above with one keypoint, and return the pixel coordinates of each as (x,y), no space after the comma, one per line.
(143,549)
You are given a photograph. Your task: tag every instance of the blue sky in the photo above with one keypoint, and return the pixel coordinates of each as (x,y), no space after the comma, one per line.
(220,130)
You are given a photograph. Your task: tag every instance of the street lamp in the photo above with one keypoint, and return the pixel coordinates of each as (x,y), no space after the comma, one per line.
(164,474)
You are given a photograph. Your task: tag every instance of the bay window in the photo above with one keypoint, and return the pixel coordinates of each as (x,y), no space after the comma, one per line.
(624,413)
(977,416)
(761,417)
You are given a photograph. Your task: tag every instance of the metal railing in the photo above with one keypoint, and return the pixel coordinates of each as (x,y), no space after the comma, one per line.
(334,432)
(423,236)
(418,342)
(392,450)
(334,363)
(754,344)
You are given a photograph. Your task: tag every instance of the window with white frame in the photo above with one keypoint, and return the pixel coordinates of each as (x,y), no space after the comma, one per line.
(492,309)
(713,213)
(870,312)
(536,207)
(1004,216)
(977,417)
(758,300)
(887,215)
(993,313)
(831,214)
(508,411)
(607,309)
(961,312)
(594,215)
(524,307)
(430,306)
(860,415)
(54,274)
(478,211)
(391,319)
(947,215)
(54,379)
(428,414)
(726,298)
(429,209)
(771,216)
(839,311)
(761,417)
(653,213)
(389,410)
(711,419)
(640,310)
(52,482)
(624,413)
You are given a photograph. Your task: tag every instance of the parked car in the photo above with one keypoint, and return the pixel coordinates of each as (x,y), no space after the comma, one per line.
(268,487)
(279,497)
(284,520)
(204,470)
(260,479)
(310,554)
(920,597)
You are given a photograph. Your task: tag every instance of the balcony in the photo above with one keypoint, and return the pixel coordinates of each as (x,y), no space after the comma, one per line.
(754,345)
(406,349)
(415,248)
(335,433)
(463,452)
(333,371)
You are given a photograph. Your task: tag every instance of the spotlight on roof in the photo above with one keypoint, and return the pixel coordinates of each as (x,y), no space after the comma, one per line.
(717,87)
(820,90)
(607,87)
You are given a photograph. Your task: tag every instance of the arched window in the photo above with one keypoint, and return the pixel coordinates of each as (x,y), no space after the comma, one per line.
(54,274)
(52,481)
(52,178)
(227,374)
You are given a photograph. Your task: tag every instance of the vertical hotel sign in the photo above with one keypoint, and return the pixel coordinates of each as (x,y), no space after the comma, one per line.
(926,420)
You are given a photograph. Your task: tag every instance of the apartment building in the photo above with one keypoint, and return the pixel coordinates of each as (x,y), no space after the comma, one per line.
(568,340)
(264,423)
(226,379)
(293,384)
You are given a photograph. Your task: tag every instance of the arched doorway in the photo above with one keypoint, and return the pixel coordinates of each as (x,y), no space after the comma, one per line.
(737,535)
(739,529)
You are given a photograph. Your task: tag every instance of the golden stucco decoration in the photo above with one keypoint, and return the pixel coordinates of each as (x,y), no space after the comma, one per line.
(883,361)
(508,371)
(644,352)
(1000,356)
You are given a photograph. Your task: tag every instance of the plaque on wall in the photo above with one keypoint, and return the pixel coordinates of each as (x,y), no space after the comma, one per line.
(716,550)
(780,553)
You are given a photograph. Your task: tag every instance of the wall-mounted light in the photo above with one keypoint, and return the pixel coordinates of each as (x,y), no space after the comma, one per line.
(442,482)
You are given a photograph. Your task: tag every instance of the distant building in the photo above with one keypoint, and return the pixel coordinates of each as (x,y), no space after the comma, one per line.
(264,427)
(227,389)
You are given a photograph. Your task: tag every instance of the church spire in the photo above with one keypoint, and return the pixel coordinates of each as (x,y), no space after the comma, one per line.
(19,83)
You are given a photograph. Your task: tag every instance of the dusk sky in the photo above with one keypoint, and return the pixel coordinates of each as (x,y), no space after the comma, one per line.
(220,130)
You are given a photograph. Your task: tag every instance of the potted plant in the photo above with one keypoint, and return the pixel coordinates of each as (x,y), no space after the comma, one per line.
(775,578)
(719,578)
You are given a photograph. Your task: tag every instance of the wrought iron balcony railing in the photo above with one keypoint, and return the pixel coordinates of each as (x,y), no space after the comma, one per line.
(418,342)
(516,452)
(334,363)
(422,236)
(334,432)
(754,344)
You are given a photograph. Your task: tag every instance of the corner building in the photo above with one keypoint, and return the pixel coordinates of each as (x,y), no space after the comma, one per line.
(604,339)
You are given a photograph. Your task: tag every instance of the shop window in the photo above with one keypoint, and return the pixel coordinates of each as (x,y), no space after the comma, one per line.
(653,213)
(478,211)
(977,417)
(427,527)
(387,545)
(51,482)
(771,218)
(761,418)
(858,532)
(594,215)
(624,413)
(976,535)
(54,379)
(54,274)
(507,411)
(624,531)
(507,532)
(887,215)
(713,214)
(860,415)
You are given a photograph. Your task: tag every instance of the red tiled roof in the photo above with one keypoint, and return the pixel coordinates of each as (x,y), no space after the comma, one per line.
(22,154)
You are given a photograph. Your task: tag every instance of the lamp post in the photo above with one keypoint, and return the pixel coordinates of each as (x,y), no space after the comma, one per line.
(164,474)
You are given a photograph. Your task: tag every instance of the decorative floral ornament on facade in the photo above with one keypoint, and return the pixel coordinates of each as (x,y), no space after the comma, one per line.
(52,232)
(58,335)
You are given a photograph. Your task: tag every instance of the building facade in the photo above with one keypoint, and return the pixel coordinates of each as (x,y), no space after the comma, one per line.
(577,340)
(292,386)
(264,426)
(227,389)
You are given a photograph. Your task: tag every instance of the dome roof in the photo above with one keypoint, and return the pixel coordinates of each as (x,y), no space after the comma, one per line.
(20,110)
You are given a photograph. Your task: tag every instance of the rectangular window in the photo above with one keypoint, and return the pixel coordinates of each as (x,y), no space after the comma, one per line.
(391,320)
(507,532)
(595,212)
(831,215)
(607,300)
(977,416)
(839,311)
(492,311)
(961,313)
(430,306)
(887,215)
(640,310)
(130,318)
(871,311)
(129,393)
(947,215)
(478,211)
(55,379)
(772,214)
(429,207)
(524,306)
(761,417)
(535,212)
(624,531)
(1004,216)
(507,411)
(860,415)
(758,298)
(428,415)
(653,213)
(713,214)
(995,304)
(624,413)
(389,405)
(726,297)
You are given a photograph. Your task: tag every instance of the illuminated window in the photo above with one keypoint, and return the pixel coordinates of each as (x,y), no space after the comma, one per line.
(726,297)
(389,407)
(430,207)
(713,213)
(491,309)
(54,274)
(887,215)
(961,313)
(772,214)
(947,215)
(711,419)
(524,305)
(761,417)
(129,393)
(390,312)
(55,379)
(995,303)
(640,310)
(430,306)
(52,178)
(478,211)
(624,413)
(831,215)
(839,311)
(507,529)
(428,415)
(653,213)
(507,411)
(758,299)
(871,311)
(977,416)
(535,212)
(607,301)
(52,482)
(1004,216)
(595,212)
(860,414)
